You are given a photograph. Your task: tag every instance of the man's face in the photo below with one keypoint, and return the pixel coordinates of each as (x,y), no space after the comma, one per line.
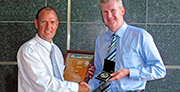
(112,15)
(47,24)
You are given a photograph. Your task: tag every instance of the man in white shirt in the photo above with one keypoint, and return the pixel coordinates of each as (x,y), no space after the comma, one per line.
(35,72)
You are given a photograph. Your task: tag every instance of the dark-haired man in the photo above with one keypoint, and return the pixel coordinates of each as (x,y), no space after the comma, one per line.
(40,61)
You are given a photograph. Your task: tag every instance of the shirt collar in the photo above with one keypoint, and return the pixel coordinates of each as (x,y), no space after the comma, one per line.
(121,30)
(44,43)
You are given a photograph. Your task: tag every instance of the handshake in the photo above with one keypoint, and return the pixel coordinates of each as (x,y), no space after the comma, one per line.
(83,87)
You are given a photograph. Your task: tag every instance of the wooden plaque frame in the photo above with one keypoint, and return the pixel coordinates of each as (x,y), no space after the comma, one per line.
(71,61)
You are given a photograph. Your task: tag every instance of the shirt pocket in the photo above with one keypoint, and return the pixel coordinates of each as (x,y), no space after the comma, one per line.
(131,59)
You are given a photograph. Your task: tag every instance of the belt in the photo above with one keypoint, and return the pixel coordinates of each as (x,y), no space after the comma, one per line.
(137,90)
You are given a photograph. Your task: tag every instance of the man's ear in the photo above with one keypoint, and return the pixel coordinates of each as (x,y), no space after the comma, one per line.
(36,23)
(123,11)
(57,23)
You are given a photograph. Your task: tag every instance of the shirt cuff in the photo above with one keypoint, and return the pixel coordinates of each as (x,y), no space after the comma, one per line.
(134,74)
(74,87)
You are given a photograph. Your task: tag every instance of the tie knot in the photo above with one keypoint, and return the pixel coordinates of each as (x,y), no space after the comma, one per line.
(114,35)
(114,38)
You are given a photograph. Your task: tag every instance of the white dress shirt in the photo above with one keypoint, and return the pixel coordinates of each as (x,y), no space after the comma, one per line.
(35,72)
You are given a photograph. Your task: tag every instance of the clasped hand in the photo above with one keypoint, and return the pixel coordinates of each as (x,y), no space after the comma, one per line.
(83,87)
(91,71)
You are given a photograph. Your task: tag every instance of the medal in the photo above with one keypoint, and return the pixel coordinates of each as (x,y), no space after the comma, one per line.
(104,75)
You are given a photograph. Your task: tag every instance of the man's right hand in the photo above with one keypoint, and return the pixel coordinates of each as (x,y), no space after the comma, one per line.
(121,73)
(83,87)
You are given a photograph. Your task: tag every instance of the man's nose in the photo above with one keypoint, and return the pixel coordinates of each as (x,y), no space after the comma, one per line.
(48,25)
(109,14)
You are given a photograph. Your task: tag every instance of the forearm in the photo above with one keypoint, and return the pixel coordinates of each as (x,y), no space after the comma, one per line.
(148,72)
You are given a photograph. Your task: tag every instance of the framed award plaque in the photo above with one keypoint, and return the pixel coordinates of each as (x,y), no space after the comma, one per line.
(77,63)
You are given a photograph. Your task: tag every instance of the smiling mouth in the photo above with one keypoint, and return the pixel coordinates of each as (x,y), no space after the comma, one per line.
(48,32)
(110,19)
